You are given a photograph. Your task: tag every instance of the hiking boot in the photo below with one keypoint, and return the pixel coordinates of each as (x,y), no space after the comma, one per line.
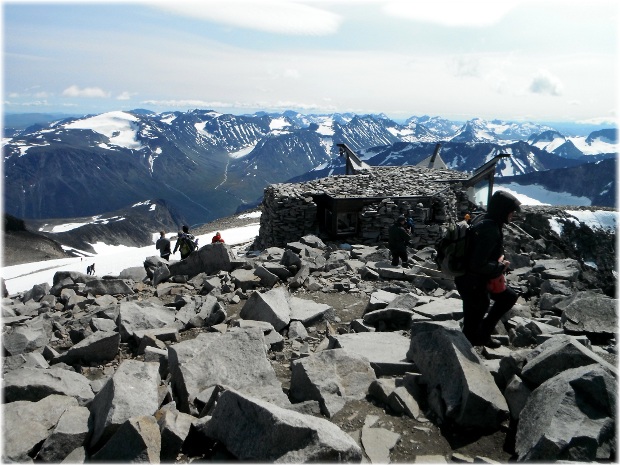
(492,343)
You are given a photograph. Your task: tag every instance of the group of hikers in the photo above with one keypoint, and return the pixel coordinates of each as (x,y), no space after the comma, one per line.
(186,243)
(484,267)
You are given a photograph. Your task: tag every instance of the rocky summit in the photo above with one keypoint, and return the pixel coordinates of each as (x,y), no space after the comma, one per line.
(313,352)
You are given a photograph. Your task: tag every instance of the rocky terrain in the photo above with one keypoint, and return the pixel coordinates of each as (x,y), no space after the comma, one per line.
(310,352)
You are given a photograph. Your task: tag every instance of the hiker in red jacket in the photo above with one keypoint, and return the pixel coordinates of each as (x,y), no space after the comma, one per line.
(217,238)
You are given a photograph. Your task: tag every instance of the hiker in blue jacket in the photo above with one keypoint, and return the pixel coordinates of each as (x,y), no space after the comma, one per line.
(485,261)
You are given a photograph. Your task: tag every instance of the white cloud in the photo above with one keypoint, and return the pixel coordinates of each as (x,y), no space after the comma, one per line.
(275,16)
(546,83)
(125,95)
(185,103)
(476,13)
(87,92)
(291,73)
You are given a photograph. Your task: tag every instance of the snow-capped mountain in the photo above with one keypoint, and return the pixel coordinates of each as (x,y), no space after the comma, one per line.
(206,164)
(133,226)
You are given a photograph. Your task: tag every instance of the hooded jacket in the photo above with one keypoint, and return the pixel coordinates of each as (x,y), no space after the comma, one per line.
(486,241)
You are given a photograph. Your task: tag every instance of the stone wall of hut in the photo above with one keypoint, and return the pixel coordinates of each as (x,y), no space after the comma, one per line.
(289,213)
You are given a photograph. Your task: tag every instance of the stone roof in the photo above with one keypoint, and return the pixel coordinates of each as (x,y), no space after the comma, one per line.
(393,181)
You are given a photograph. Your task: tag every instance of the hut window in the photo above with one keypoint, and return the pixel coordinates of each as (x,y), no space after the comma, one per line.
(346,223)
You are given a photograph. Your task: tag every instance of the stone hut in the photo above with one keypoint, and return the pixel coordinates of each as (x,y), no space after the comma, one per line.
(360,207)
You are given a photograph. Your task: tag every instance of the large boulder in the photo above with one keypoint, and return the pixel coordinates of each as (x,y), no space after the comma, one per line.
(137,440)
(142,315)
(271,306)
(570,417)
(386,352)
(331,377)
(101,346)
(557,355)
(453,372)
(209,259)
(28,424)
(258,431)
(132,391)
(34,384)
(70,433)
(236,359)
(590,313)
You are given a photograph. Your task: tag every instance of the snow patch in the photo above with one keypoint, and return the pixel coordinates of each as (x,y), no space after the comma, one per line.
(243,152)
(533,194)
(119,127)
(109,259)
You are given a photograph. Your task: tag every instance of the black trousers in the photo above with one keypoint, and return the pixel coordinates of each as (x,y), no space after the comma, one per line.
(478,320)
(400,252)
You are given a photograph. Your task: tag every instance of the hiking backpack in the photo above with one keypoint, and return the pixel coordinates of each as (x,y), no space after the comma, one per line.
(188,245)
(451,256)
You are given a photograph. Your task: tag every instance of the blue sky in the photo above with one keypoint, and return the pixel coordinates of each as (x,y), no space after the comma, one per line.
(542,60)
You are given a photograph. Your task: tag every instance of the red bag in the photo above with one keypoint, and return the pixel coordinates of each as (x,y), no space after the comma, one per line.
(497,285)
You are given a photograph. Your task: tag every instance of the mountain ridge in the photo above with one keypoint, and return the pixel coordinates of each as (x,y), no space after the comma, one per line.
(207,164)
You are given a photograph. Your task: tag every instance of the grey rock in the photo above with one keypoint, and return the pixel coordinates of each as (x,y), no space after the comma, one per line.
(378,442)
(174,427)
(245,279)
(590,313)
(34,384)
(30,424)
(307,311)
(29,359)
(101,346)
(380,299)
(516,394)
(271,306)
(441,309)
(402,401)
(568,269)
(331,377)
(37,292)
(24,338)
(297,330)
(103,324)
(266,277)
(557,355)
(135,316)
(308,439)
(389,318)
(70,433)
(108,286)
(386,352)
(236,359)
(382,388)
(570,416)
(137,440)
(449,365)
(209,259)
(76,456)
(161,274)
(130,392)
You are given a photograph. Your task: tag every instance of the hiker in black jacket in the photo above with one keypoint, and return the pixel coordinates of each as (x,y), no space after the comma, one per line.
(398,239)
(485,261)
(186,243)
(163,245)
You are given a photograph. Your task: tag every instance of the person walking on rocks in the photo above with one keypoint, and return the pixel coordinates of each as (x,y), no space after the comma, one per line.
(186,243)
(398,239)
(163,245)
(485,265)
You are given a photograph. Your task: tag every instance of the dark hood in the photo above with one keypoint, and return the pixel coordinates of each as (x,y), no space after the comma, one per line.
(501,204)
